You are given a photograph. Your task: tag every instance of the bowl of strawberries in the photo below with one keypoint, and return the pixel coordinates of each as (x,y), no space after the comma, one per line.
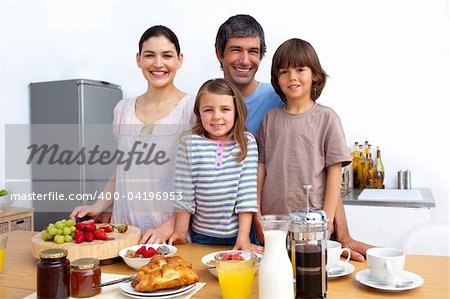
(140,255)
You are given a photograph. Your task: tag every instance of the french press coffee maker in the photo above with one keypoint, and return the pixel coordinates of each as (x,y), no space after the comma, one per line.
(307,249)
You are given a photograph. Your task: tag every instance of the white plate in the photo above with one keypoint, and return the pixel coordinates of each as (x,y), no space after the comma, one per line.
(363,275)
(348,269)
(129,291)
(210,257)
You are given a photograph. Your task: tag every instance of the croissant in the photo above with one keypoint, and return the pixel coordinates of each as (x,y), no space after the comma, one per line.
(164,273)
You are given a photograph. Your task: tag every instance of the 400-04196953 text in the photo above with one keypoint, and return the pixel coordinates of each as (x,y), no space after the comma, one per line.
(56,196)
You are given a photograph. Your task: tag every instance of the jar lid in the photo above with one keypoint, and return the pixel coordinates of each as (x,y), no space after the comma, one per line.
(53,253)
(85,263)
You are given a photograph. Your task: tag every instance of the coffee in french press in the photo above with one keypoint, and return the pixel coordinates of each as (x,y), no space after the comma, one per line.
(307,250)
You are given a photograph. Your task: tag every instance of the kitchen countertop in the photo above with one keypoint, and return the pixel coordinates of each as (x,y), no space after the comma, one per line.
(351,198)
(19,278)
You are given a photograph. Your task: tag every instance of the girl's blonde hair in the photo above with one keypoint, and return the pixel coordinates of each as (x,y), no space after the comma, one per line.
(223,87)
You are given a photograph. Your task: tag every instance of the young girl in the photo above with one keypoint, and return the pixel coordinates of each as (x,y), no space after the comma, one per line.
(216,171)
(302,142)
(156,116)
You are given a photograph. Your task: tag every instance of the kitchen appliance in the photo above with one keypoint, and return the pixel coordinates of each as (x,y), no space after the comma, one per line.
(307,248)
(73,115)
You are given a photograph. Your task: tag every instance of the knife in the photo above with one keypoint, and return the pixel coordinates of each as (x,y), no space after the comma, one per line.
(81,219)
(123,279)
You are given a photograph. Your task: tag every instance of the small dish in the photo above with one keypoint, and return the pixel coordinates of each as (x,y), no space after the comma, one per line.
(366,279)
(347,269)
(206,260)
(137,263)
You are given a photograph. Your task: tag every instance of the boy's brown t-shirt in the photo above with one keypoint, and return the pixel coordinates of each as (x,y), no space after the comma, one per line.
(296,149)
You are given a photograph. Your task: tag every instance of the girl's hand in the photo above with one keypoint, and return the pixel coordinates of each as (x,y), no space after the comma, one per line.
(248,246)
(242,243)
(177,238)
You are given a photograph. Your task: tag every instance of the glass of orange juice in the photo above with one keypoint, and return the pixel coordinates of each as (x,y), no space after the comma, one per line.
(3,240)
(236,270)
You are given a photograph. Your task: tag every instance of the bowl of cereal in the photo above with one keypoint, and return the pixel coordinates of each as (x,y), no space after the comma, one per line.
(140,255)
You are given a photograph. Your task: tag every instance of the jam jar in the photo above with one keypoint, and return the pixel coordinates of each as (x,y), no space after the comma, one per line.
(53,274)
(84,274)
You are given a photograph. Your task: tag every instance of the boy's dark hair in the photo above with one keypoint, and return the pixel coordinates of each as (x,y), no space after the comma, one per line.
(298,53)
(160,30)
(239,26)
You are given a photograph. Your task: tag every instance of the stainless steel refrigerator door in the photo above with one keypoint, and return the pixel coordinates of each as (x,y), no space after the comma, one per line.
(97,103)
(79,108)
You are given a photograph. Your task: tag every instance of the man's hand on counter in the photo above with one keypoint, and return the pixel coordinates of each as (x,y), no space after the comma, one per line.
(357,248)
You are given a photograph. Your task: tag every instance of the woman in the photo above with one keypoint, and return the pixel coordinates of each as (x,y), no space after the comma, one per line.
(149,124)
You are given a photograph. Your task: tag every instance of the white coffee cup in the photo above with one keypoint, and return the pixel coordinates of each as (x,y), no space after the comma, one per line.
(334,251)
(385,264)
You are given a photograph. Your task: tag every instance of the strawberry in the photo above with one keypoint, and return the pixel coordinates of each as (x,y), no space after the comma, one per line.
(90,227)
(89,236)
(107,228)
(79,236)
(150,252)
(100,235)
(141,250)
(80,226)
(122,228)
(236,257)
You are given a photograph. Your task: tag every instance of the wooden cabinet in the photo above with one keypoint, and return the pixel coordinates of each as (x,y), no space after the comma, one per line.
(16,218)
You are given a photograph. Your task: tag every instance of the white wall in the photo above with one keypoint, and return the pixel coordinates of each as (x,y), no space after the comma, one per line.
(388,63)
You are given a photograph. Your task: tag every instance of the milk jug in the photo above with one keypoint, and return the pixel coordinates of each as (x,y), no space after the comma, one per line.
(276,278)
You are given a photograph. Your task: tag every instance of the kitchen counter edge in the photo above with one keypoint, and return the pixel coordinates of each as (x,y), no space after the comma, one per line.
(351,198)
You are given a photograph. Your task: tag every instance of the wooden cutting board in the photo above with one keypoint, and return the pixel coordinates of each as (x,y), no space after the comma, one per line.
(100,249)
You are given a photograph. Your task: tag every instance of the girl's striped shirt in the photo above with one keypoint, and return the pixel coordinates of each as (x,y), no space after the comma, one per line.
(214,186)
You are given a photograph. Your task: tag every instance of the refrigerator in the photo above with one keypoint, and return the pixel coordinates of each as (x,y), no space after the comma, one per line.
(70,118)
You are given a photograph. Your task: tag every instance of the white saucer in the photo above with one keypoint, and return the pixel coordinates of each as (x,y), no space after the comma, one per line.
(348,269)
(364,275)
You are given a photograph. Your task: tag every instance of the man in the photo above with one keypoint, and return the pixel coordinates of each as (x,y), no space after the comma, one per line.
(240,47)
